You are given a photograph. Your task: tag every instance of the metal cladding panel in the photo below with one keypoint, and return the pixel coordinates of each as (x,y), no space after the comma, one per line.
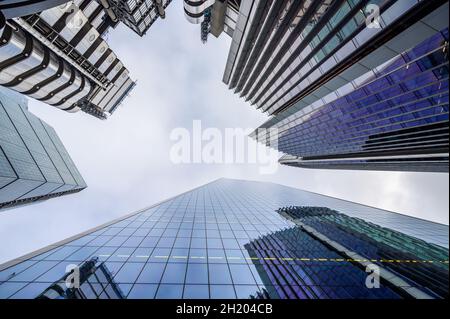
(17,189)
(74,86)
(90,8)
(7,174)
(108,100)
(5,180)
(99,94)
(64,155)
(9,74)
(98,20)
(64,188)
(74,24)
(15,45)
(29,71)
(47,90)
(54,85)
(25,125)
(108,61)
(98,52)
(21,160)
(194,10)
(50,70)
(114,71)
(122,77)
(87,41)
(117,99)
(42,190)
(69,104)
(51,16)
(33,161)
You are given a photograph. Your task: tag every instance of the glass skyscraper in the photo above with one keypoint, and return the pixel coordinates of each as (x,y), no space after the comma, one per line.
(239,239)
(350,84)
(34,164)
(395,117)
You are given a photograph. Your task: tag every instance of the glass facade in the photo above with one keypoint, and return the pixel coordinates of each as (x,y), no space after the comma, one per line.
(290,52)
(238,239)
(95,282)
(34,165)
(394,117)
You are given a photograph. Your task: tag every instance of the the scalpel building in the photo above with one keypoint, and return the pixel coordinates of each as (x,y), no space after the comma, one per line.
(237,239)
(34,164)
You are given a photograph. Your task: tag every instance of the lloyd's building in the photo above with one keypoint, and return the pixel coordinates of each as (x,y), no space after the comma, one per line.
(56,52)
(348,84)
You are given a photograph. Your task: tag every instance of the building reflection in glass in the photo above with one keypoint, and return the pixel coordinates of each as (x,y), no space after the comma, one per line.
(94,281)
(327,254)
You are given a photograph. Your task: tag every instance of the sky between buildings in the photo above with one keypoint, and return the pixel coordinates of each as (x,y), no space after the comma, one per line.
(126,159)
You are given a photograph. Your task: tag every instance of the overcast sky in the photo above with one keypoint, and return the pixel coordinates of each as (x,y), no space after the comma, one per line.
(125,160)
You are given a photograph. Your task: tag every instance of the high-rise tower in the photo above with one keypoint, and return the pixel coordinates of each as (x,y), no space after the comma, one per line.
(236,239)
(34,164)
(349,84)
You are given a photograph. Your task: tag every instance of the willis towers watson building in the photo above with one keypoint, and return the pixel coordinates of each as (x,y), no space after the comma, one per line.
(349,84)
(237,239)
(34,164)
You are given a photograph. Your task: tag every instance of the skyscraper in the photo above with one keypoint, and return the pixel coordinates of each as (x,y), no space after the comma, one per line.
(349,84)
(237,239)
(394,117)
(34,165)
(60,56)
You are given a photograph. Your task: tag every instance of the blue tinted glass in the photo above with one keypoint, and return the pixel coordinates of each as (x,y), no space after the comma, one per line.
(9,288)
(222,292)
(174,273)
(34,271)
(271,258)
(128,273)
(151,273)
(169,292)
(196,292)
(143,291)
(219,274)
(197,274)
(30,291)
(241,274)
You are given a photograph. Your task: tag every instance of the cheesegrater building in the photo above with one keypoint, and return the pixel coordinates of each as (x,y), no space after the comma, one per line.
(239,239)
(59,55)
(34,164)
(349,84)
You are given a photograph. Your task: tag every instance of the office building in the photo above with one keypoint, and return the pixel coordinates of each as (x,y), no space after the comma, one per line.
(34,165)
(394,117)
(60,56)
(238,239)
(330,74)
(95,282)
